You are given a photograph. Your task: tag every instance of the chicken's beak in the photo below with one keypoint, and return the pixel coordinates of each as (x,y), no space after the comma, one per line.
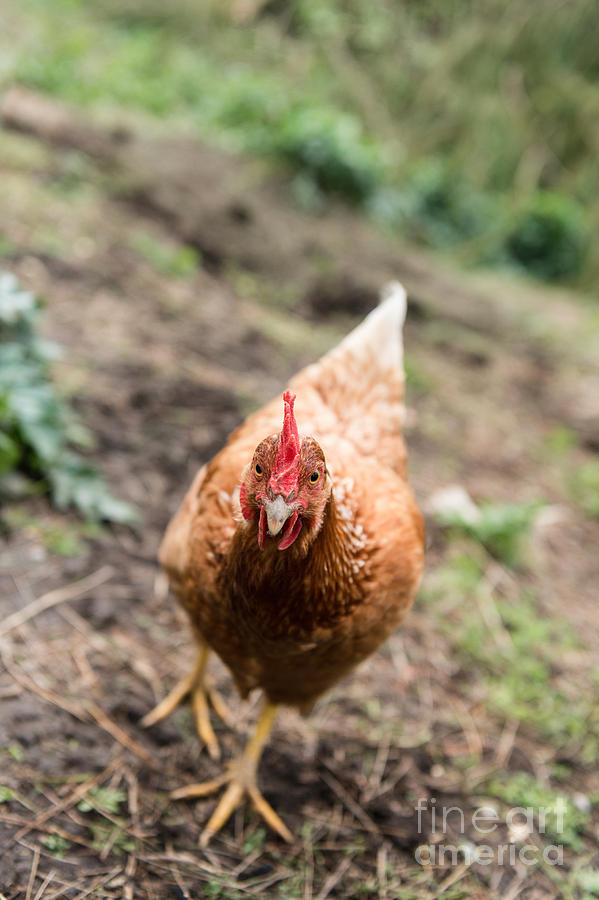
(277,513)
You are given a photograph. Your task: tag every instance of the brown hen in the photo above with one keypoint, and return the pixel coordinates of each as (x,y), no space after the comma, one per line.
(296,554)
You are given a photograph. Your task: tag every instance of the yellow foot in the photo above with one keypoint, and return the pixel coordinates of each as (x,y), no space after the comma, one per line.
(201,694)
(240,779)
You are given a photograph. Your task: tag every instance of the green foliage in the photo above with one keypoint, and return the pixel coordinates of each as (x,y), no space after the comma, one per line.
(37,428)
(104,799)
(329,149)
(560,441)
(588,881)
(419,380)
(174,262)
(255,841)
(6,793)
(548,237)
(480,139)
(513,650)
(114,835)
(61,537)
(585,487)
(435,205)
(56,844)
(562,820)
(499,527)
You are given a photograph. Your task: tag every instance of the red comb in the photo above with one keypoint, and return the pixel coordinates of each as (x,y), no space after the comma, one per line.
(285,470)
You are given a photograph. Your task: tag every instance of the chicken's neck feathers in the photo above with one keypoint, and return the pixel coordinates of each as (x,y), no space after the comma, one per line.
(314,583)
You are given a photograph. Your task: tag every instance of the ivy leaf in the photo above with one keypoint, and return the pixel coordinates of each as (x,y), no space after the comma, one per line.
(9,453)
(37,427)
(15,303)
(37,411)
(75,482)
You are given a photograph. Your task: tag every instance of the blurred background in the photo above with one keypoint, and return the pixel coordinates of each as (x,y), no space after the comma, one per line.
(470,128)
(197,199)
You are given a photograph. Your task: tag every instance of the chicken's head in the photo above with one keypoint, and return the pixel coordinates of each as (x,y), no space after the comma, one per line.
(286,486)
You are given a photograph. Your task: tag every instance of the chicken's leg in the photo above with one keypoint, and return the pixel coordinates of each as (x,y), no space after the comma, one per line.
(241,779)
(195,684)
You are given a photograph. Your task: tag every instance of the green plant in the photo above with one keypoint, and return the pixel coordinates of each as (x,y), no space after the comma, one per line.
(175,262)
(435,205)
(585,487)
(114,835)
(491,163)
(104,799)
(56,844)
(330,149)
(499,527)
(548,237)
(560,818)
(588,881)
(514,652)
(37,427)
(255,841)
(16,751)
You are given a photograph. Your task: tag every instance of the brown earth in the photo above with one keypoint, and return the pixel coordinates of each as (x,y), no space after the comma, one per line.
(161,368)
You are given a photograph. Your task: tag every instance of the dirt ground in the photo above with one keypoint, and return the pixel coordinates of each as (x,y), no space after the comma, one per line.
(161,367)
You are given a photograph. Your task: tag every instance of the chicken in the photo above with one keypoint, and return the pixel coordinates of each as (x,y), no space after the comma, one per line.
(296,554)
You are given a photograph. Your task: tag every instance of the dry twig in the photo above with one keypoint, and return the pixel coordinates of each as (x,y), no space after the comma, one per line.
(354,807)
(69,801)
(33,872)
(53,598)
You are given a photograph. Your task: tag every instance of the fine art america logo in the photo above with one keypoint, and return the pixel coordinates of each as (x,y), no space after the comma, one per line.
(521,823)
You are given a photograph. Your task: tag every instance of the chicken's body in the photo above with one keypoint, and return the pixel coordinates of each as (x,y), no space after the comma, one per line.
(293,621)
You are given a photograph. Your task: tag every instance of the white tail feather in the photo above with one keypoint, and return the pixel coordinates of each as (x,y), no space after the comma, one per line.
(361,381)
(381,330)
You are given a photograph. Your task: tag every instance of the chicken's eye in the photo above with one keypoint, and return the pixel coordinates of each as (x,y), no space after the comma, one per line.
(258,470)
(314,476)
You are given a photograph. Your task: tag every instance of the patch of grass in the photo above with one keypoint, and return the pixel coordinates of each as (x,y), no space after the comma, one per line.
(255,841)
(172,261)
(104,834)
(419,380)
(585,487)
(499,527)
(6,794)
(16,751)
(56,844)
(107,801)
(60,537)
(548,237)
(6,247)
(38,428)
(514,650)
(588,881)
(103,799)
(560,441)
(560,819)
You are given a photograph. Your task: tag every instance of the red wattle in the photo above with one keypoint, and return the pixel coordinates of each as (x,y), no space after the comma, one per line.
(262,528)
(291,529)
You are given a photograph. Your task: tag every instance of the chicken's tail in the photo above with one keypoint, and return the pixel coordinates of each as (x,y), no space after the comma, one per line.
(380,333)
(361,380)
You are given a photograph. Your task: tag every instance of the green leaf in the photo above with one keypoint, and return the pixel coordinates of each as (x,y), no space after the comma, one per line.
(37,411)
(37,426)
(588,880)
(75,482)
(9,453)
(15,303)
(6,793)
(102,798)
